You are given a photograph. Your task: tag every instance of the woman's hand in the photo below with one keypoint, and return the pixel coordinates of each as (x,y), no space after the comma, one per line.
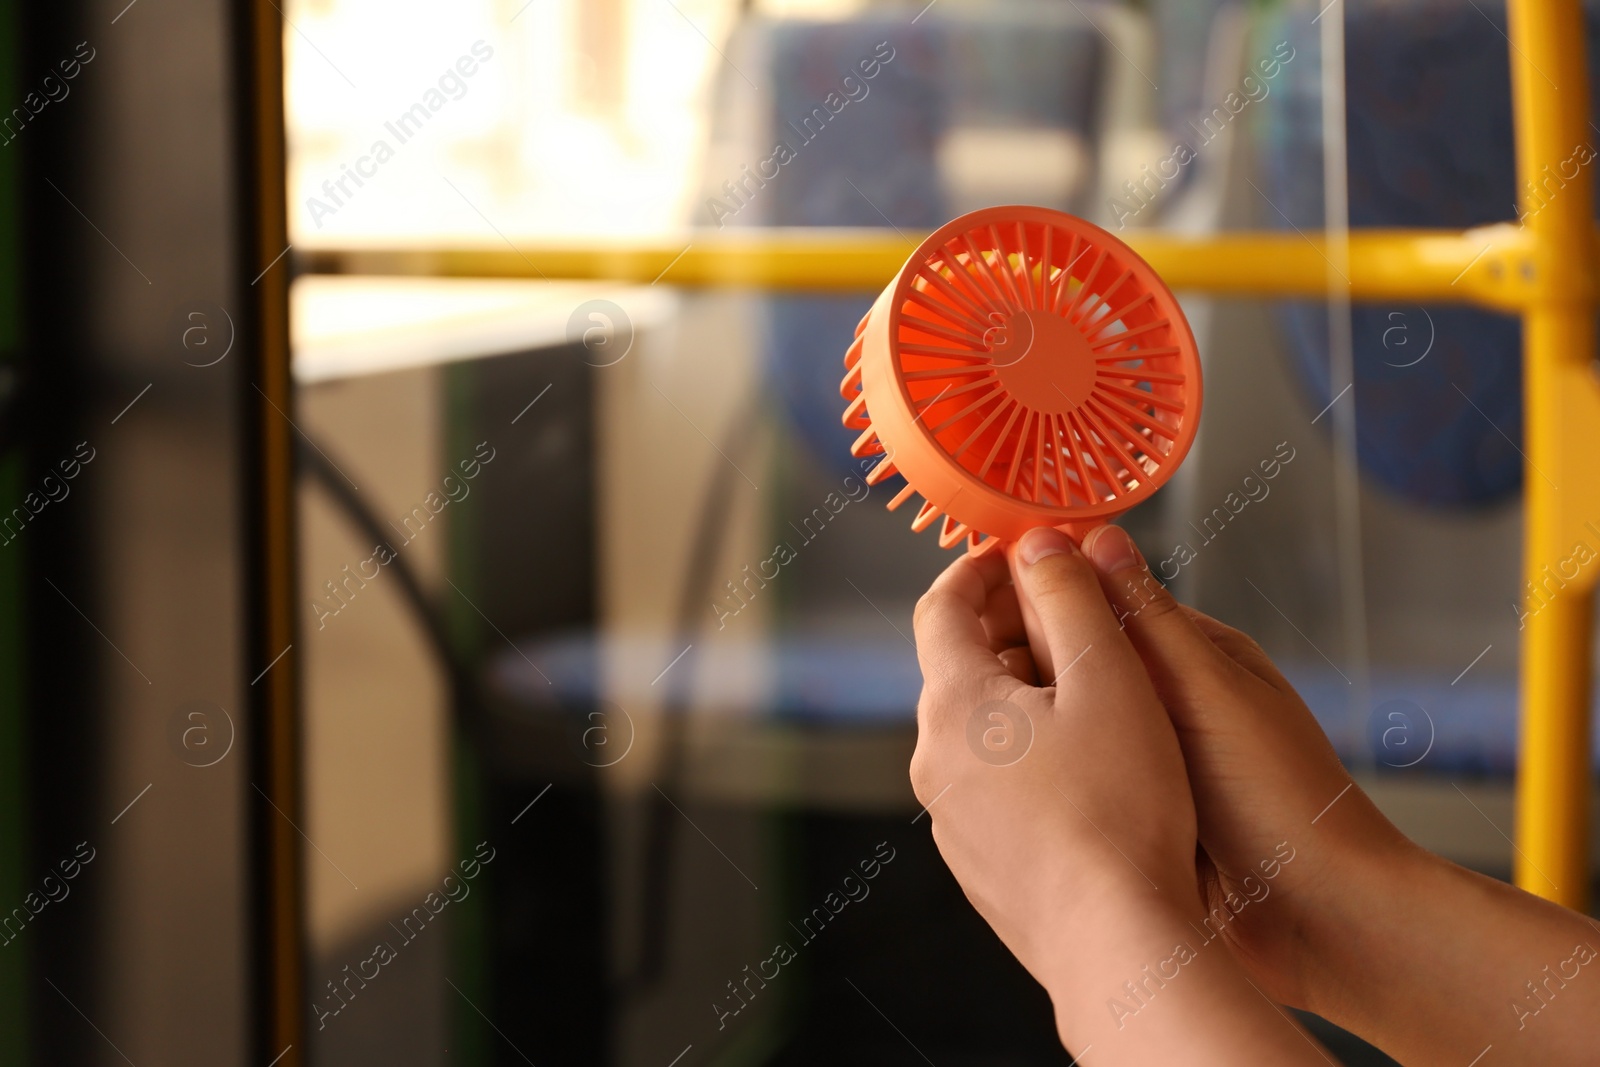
(1046,799)
(1267,784)
(1433,963)
(1065,811)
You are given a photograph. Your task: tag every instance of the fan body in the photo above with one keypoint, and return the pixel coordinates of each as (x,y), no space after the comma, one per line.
(1025,368)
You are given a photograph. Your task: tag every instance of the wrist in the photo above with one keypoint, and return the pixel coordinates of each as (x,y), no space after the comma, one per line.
(1433,963)
(1371,907)
(1139,982)
(1118,936)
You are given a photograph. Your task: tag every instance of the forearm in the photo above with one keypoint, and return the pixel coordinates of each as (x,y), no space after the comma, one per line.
(1134,983)
(1435,964)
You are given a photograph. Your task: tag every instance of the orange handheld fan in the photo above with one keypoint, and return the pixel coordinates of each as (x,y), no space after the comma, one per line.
(1025,368)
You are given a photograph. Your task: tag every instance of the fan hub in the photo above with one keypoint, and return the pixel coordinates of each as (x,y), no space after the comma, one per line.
(1043,360)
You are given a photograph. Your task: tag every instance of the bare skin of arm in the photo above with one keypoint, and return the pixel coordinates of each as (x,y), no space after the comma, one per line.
(1079,848)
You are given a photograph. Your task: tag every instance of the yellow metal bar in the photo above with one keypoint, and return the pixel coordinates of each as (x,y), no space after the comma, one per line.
(1488,266)
(1481,266)
(818,259)
(1550,94)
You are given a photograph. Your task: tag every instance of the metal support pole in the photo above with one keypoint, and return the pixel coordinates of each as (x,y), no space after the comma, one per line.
(1550,95)
(277,875)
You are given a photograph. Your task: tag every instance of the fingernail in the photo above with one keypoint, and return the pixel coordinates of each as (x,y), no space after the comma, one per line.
(1111,549)
(1043,541)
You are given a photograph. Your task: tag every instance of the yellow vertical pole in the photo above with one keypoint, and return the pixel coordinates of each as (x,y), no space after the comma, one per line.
(1550,92)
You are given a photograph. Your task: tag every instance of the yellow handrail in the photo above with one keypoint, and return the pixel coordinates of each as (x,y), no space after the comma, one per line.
(1489,266)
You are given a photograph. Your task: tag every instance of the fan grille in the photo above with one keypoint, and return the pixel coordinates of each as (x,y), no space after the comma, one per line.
(1040,356)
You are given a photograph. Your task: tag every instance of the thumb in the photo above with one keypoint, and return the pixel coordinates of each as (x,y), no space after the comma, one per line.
(1188,669)
(1064,611)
